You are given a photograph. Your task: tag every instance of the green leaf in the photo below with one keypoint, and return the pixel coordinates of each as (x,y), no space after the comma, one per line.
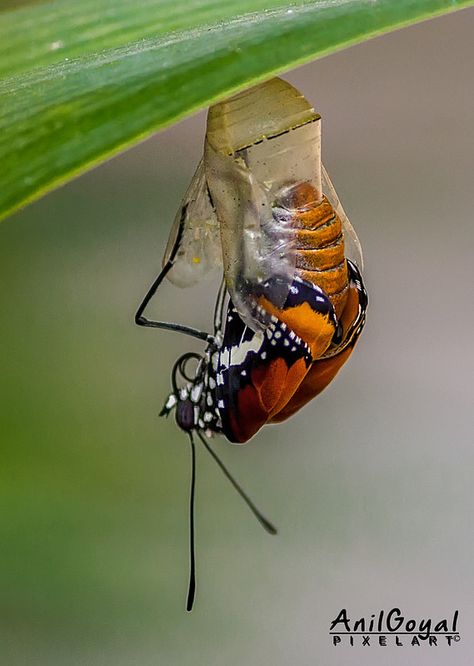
(83,80)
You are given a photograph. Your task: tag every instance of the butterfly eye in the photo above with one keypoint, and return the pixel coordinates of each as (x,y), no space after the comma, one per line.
(185,415)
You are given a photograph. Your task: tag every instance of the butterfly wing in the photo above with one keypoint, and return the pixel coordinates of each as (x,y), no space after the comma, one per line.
(259,372)
(324,369)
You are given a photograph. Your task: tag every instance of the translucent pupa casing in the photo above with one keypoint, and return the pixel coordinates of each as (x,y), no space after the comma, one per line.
(200,245)
(258,144)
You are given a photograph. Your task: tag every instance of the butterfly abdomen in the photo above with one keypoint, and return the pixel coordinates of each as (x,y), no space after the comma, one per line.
(318,241)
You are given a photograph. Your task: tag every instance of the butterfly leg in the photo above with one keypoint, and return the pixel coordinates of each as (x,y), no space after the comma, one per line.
(140,320)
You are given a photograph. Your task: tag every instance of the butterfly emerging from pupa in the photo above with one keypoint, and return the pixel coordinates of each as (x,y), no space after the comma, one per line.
(292,302)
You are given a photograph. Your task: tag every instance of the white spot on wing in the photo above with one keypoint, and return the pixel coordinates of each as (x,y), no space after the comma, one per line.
(196,392)
(237,355)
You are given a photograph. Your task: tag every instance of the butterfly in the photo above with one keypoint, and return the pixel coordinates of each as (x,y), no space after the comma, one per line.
(292,302)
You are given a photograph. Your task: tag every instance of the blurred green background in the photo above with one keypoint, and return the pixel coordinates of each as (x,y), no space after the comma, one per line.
(370,485)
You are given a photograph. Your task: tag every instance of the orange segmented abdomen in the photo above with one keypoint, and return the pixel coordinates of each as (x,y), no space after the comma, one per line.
(319,241)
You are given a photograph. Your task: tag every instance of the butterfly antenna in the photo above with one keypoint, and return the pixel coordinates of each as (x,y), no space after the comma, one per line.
(266,524)
(192,554)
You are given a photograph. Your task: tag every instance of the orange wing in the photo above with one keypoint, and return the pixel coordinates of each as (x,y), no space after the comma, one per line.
(317,378)
(258,373)
(323,370)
